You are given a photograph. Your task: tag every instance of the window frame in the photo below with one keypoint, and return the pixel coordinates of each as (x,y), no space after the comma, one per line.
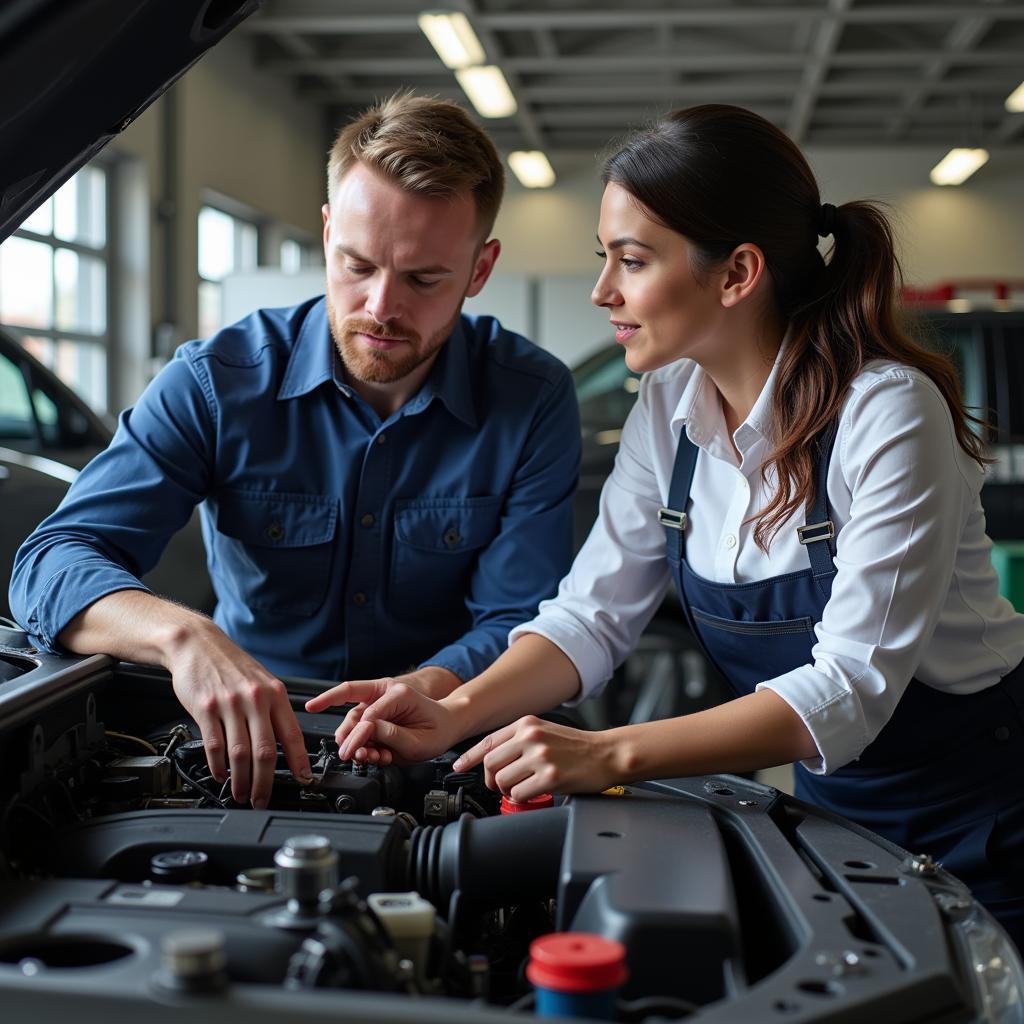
(105,341)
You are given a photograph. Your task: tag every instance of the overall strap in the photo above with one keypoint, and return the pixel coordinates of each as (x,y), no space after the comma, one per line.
(673,516)
(818,530)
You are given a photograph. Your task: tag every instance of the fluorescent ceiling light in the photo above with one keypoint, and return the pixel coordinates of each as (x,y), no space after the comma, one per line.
(1015,101)
(453,37)
(957,166)
(487,91)
(532,168)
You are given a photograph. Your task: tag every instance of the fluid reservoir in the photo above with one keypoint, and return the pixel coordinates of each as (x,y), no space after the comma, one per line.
(409,920)
(576,974)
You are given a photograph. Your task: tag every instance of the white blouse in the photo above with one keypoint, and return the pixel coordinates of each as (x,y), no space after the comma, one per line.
(915,593)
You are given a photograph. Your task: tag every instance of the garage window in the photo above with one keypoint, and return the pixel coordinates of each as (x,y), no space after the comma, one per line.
(226,243)
(54,273)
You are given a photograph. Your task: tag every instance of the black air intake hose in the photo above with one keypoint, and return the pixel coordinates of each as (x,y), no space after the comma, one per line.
(493,861)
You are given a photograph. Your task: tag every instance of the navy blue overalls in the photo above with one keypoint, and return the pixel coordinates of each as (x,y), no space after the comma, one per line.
(944,776)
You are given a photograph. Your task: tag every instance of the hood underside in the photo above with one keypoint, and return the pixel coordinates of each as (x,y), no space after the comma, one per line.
(74,75)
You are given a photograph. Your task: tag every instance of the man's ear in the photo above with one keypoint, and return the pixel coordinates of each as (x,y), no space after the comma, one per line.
(485,261)
(326,211)
(742,273)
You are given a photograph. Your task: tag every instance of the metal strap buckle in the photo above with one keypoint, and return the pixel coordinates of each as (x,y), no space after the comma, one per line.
(671,518)
(816,531)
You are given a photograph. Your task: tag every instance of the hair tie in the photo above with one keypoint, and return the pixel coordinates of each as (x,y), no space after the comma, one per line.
(827,220)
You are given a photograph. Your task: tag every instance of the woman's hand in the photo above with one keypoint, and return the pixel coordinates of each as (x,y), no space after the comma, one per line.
(431,681)
(393,721)
(531,756)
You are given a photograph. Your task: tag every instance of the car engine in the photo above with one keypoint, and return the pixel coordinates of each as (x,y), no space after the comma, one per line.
(131,882)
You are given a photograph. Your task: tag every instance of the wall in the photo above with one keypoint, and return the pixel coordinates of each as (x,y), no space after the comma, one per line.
(239,133)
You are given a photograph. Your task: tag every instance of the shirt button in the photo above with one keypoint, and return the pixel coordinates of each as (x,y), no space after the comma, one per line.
(359,599)
(381,438)
(451,536)
(367,520)
(1002,733)
(275,531)
(730,541)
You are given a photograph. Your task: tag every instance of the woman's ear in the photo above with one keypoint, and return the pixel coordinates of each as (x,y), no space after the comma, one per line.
(742,273)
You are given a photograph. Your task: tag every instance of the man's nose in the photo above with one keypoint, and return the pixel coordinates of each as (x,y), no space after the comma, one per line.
(382,300)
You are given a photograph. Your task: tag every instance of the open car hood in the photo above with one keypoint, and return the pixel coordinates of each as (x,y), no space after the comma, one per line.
(74,75)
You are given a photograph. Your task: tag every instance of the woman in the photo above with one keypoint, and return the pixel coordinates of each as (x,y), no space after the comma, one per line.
(807,476)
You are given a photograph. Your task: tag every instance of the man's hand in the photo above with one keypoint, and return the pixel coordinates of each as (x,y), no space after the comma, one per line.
(238,705)
(241,710)
(431,681)
(531,756)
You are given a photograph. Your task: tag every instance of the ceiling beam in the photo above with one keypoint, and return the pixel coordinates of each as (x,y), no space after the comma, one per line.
(964,36)
(682,62)
(822,50)
(711,16)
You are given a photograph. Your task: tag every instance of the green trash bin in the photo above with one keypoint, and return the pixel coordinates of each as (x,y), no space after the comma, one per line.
(1008,558)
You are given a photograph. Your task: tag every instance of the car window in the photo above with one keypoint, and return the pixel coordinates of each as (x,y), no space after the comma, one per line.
(47,416)
(16,420)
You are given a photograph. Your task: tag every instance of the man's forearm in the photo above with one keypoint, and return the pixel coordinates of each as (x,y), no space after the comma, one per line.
(133,625)
(531,677)
(433,680)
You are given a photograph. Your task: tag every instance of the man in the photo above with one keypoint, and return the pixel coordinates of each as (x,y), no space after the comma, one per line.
(386,484)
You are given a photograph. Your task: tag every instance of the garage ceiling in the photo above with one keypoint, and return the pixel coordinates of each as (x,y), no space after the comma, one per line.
(862,72)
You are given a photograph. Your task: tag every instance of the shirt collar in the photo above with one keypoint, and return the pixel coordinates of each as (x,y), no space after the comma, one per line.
(699,409)
(449,380)
(313,362)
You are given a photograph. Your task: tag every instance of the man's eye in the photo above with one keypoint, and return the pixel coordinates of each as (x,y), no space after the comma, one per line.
(357,270)
(423,282)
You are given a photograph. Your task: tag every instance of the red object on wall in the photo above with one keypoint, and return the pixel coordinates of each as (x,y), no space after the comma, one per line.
(998,288)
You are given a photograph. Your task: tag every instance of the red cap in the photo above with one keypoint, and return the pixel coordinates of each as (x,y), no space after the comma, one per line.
(535,803)
(576,962)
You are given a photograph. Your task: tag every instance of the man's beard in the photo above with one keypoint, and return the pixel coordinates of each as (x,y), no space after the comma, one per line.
(380,366)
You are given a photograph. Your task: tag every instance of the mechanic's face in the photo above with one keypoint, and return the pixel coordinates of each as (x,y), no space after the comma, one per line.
(399,266)
(660,311)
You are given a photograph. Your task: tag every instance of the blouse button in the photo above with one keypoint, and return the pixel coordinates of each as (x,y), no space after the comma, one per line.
(730,541)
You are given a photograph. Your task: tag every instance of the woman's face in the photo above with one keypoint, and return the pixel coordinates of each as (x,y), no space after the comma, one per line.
(658,308)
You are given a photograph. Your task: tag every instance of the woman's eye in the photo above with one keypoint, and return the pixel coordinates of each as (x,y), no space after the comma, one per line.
(630,264)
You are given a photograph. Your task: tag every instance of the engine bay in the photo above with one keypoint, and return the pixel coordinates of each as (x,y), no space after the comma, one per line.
(130,881)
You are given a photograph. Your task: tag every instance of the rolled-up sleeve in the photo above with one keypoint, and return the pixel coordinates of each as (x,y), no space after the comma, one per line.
(121,511)
(895,558)
(620,575)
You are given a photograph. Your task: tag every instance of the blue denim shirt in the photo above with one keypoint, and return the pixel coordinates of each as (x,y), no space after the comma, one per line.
(339,545)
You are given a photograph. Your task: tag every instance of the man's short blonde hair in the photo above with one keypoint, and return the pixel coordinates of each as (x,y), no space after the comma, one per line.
(424,145)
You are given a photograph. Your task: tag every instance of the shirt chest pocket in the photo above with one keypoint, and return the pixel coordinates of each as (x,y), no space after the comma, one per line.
(274,549)
(437,544)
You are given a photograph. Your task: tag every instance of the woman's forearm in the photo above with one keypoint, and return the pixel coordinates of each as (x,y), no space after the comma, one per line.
(531,677)
(759,730)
